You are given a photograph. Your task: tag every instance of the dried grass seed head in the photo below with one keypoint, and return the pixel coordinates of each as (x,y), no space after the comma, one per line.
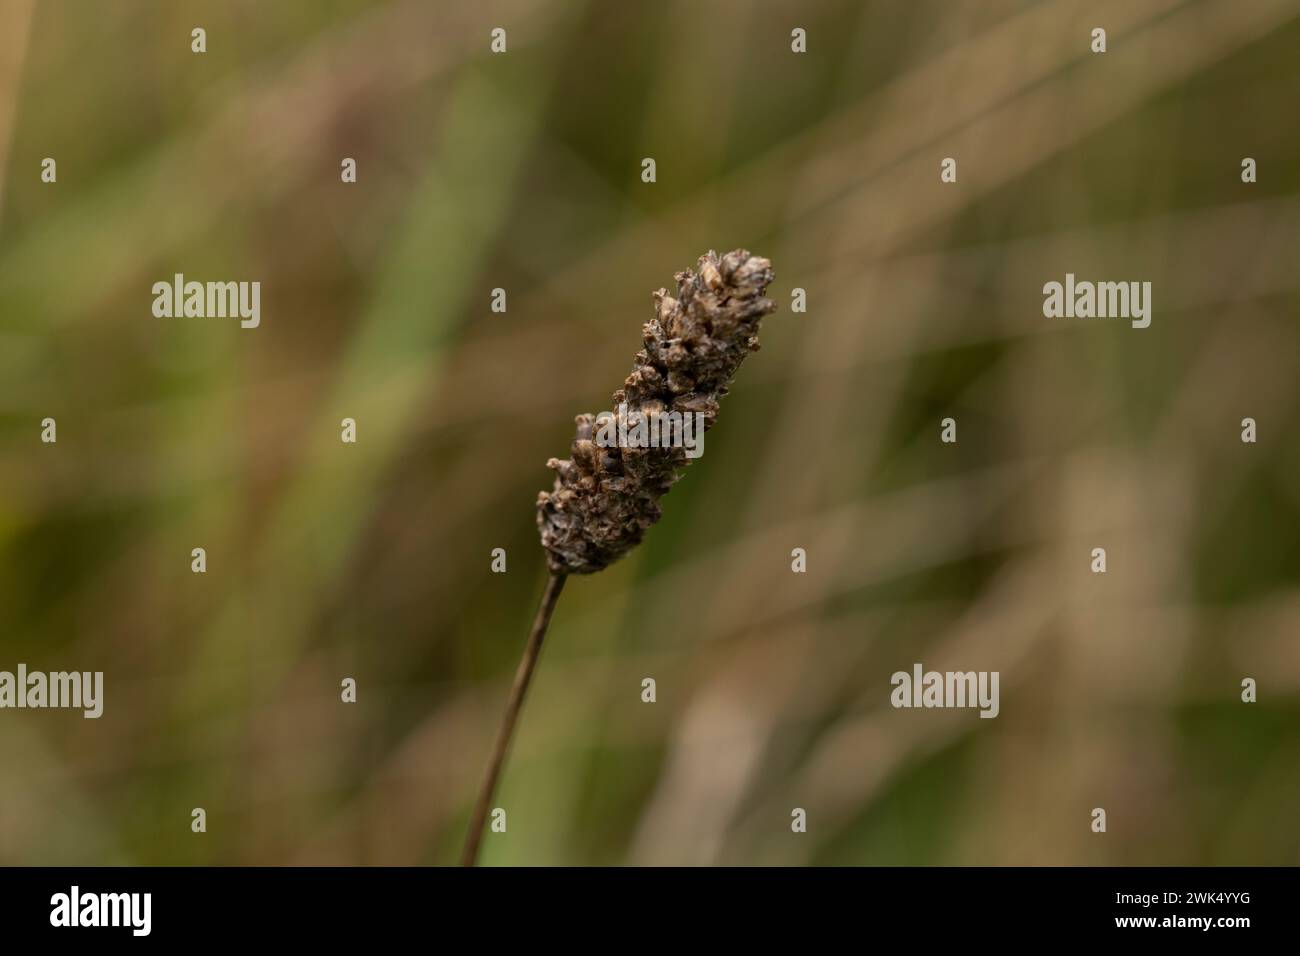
(605,498)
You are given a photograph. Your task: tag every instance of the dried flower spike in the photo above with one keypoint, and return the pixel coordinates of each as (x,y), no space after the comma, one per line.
(606,497)
(607,494)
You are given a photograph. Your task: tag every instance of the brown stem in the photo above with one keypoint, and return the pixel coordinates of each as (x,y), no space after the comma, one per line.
(522,676)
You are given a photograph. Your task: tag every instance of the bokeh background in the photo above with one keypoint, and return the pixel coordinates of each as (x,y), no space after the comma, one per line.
(522,171)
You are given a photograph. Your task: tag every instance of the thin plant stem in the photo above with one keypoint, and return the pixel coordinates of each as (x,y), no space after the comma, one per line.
(533,649)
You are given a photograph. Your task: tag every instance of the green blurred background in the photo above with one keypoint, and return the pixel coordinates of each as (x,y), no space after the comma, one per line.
(522,171)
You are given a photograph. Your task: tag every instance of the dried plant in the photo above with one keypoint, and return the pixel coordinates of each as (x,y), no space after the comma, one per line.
(605,498)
